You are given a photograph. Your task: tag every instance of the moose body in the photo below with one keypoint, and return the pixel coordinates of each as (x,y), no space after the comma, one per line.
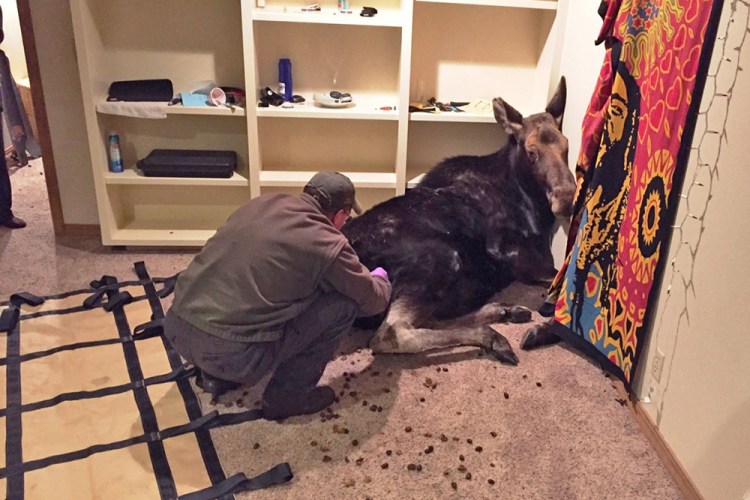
(472,226)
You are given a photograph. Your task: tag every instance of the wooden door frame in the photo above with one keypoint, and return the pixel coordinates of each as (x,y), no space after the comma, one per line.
(40,111)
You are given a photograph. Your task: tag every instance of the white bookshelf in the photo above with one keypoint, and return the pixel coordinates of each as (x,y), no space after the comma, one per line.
(328,15)
(411,50)
(520,4)
(134,177)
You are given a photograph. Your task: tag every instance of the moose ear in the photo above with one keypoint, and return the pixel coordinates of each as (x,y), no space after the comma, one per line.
(556,106)
(508,117)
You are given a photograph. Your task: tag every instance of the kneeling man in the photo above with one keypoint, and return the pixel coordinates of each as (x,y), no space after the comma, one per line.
(273,291)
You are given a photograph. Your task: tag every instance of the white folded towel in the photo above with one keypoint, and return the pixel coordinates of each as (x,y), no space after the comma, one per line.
(133,109)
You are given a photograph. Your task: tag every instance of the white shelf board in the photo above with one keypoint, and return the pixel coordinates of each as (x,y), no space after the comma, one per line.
(364,108)
(133,177)
(179,109)
(284,178)
(452,117)
(523,4)
(137,234)
(294,14)
(412,183)
(121,109)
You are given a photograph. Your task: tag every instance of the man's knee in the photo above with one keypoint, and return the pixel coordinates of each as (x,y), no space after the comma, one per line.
(331,315)
(349,309)
(175,332)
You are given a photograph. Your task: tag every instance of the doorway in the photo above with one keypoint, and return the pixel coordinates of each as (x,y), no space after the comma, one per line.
(20,47)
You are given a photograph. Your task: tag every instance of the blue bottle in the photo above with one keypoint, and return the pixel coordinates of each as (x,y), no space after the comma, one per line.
(285,79)
(115,157)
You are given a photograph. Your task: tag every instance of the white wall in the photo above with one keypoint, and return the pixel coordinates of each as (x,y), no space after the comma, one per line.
(56,50)
(13,43)
(580,64)
(53,31)
(701,403)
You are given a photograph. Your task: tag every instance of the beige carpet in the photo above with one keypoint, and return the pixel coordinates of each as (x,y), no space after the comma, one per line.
(449,424)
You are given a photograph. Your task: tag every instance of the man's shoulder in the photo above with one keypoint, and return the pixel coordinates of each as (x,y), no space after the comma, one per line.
(272,203)
(270,198)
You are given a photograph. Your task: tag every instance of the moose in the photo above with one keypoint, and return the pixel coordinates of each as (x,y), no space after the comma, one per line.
(471,227)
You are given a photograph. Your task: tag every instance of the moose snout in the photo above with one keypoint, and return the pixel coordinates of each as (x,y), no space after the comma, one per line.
(561,201)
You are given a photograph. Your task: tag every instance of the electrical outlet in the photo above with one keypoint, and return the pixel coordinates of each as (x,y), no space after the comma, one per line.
(657,365)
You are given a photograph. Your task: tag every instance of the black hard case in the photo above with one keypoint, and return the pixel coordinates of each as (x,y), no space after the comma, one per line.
(188,163)
(141,90)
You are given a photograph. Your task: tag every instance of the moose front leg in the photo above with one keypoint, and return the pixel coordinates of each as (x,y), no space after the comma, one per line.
(539,335)
(398,335)
(492,312)
(401,338)
(404,340)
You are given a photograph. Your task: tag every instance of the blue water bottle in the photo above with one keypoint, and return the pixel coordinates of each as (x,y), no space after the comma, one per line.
(285,79)
(115,157)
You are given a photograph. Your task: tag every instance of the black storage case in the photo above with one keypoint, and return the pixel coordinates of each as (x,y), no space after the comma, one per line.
(188,163)
(141,90)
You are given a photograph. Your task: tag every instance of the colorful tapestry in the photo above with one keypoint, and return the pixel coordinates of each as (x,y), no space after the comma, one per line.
(94,403)
(636,140)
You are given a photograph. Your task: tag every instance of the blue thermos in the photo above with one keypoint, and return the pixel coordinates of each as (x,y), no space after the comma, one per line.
(115,156)
(285,79)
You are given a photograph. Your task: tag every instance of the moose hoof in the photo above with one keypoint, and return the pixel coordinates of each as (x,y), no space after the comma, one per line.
(519,314)
(501,349)
(537,336)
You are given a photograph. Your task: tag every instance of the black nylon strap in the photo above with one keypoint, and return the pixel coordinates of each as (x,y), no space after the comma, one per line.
(168,287)
(13,422)
(104,281)
(9,318)
(95,299)
(69,347)
(199,424)
(26,298)
(153,328)
(15,469)
(118,300)
(278,474)
(162,471)
(18,469)
(236,418)
(192,406)
(181,372)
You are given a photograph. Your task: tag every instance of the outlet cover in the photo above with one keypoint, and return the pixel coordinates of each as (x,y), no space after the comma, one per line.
(658,365)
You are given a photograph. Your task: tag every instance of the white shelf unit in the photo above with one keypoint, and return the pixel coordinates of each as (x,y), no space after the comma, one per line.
(410,51)
(187,42)
(329,50)
(487,49)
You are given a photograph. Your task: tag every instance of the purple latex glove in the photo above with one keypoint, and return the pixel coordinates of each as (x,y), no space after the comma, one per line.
(379,271)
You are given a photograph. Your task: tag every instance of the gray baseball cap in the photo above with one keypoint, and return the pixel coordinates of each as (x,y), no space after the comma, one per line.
(334,191)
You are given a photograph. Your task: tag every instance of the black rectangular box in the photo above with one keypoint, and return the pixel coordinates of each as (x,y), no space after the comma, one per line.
(188,163)
(141,90)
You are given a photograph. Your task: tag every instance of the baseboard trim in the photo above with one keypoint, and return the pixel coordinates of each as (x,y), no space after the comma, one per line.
(663,450)
(81,230)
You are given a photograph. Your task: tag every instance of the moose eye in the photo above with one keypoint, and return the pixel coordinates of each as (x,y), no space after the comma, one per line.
(533,156)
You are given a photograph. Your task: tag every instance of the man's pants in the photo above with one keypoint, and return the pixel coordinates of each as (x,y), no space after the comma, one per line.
(308,342)
(6,193)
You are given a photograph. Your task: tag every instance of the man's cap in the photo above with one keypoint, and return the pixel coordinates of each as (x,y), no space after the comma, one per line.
(334,191)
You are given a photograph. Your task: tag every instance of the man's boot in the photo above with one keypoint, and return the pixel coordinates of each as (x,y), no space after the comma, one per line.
(213,385)
(281,402)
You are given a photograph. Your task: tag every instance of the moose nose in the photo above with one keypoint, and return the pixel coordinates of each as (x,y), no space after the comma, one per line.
(561,202)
